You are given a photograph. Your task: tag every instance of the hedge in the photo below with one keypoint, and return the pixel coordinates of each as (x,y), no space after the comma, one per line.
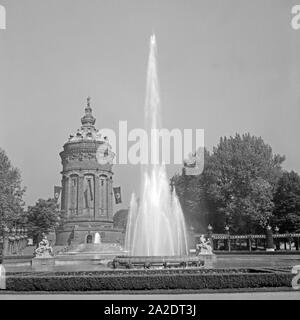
(147,281)
(254,252)
(139,271)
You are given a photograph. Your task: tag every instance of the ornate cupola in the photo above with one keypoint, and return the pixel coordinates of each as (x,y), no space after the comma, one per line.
(88,120)
(87,183)
(87,131)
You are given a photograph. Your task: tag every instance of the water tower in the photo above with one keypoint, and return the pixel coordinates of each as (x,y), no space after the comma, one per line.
(87,186)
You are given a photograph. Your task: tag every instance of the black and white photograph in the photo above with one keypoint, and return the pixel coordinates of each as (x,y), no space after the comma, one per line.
(149,151)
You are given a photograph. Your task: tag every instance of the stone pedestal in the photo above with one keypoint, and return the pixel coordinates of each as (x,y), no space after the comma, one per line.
(269,240)
(41,263)
(44,255)
(208,259)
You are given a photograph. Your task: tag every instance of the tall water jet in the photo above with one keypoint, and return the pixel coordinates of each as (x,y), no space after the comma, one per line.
(97,239)
(155,225)
(133,209)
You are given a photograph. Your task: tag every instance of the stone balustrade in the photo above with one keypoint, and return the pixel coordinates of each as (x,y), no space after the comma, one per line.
(268,241)
(13,241)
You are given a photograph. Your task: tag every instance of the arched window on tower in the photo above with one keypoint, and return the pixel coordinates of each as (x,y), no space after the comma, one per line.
(89,239)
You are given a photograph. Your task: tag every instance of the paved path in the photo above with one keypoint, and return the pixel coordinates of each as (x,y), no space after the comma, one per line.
(288,295)
(259,260)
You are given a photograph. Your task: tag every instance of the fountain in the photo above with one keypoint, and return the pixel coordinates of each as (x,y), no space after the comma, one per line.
(156,227)
(156,233)
(97,239)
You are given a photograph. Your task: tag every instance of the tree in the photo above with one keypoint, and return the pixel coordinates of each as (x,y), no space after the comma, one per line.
(189,190)
(11,193)
(42,218)
(240,177)
(120,219)
(287,203)
(191,194)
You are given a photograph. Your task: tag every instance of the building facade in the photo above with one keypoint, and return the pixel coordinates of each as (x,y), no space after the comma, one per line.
(87,187)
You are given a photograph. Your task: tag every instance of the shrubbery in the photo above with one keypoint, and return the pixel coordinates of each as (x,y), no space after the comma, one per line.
(98,282)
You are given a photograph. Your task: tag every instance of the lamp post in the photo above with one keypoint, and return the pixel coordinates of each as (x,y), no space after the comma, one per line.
(269,238)
(26,236)
(5,241)
(209,235)
(277,242)
(13,240)
(228,237)
(18,238)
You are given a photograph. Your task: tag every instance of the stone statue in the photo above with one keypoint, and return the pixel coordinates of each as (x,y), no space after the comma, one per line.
(44,249)
(104,154)
(204,247)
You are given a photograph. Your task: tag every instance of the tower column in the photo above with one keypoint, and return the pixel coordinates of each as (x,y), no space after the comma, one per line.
(63,195)
(80,194)
(110,198)
(68,187)
(66,195)
(97,196)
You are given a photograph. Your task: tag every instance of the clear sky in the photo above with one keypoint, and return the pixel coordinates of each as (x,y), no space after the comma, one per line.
(225,66)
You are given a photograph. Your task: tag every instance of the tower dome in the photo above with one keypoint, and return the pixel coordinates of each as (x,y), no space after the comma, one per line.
(88,120)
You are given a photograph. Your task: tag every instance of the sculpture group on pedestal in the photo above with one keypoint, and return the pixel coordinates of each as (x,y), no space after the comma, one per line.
(44,249)
(204,247)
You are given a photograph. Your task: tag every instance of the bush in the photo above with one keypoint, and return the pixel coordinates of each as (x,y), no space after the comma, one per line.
(146,281)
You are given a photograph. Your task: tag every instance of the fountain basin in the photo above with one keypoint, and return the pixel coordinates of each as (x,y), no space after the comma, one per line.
(148,262)
(95,248)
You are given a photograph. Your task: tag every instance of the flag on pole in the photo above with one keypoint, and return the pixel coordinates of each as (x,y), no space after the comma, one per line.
(57,192)
(117,193)
(57,196)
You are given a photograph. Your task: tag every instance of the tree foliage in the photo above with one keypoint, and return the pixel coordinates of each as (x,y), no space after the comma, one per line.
(287,203)
(42,217)
(120,219)
(235,188)
(240,178)
(191,194)
(189,190)
(11,193)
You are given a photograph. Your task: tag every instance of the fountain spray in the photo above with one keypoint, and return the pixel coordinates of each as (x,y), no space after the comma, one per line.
(155,225)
